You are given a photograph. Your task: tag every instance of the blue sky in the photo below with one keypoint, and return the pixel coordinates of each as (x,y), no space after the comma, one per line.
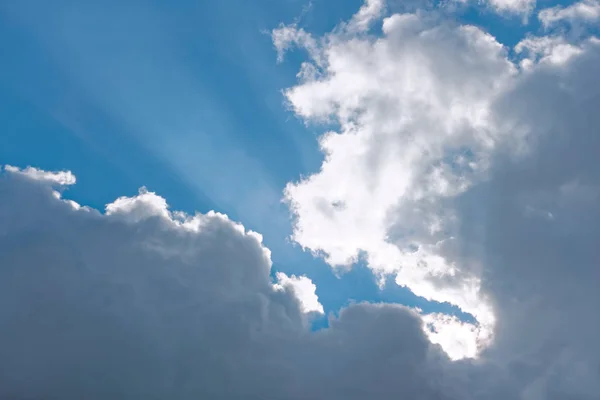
(185,100)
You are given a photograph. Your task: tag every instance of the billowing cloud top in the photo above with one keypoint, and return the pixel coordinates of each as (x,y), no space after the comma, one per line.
(467,172)
(429,118)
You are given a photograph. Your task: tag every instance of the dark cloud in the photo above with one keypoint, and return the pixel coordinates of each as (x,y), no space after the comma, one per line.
(106,306)
(535,226)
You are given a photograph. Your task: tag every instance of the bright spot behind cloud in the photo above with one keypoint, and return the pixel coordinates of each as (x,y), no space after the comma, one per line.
(304,290)
(458,339)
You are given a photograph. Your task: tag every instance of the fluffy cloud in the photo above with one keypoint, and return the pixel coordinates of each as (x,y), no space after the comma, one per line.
(458,339)
(448,170)
(143,302)
(371,11)
(583,12)
(415,130)
(545,49)
(61,178)
(304,290)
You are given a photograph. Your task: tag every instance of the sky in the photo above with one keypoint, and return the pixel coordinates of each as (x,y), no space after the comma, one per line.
(299,199)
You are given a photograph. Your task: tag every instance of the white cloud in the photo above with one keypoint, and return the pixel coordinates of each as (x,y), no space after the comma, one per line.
(407,105)
(443,149)
(144,205)
(546,49)
(587,11)
(63,178)
(539,271)
(371,11)
(303,288)
(514,6)
(287,36)
(419,128)
(459,339)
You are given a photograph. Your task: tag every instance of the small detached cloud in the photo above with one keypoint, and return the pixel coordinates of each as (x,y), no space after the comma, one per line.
(515,7)
(583,12)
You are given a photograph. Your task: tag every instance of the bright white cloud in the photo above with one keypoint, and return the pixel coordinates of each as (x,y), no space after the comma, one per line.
(546,49)
(371,11)
(586,12)
(303,288)
(408,105)
(144,205)
(523,7)
(62,178)
(459,339)
(417,129)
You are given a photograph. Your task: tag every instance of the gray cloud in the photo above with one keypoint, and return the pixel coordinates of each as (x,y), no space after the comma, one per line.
(133,305)
(542,269)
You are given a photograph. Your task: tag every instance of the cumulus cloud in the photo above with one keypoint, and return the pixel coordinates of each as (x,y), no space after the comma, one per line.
(583,12)
(457,338)
(413,109)
(304,290)
(431,117)
(142,302)
(144,205)
(545,49)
